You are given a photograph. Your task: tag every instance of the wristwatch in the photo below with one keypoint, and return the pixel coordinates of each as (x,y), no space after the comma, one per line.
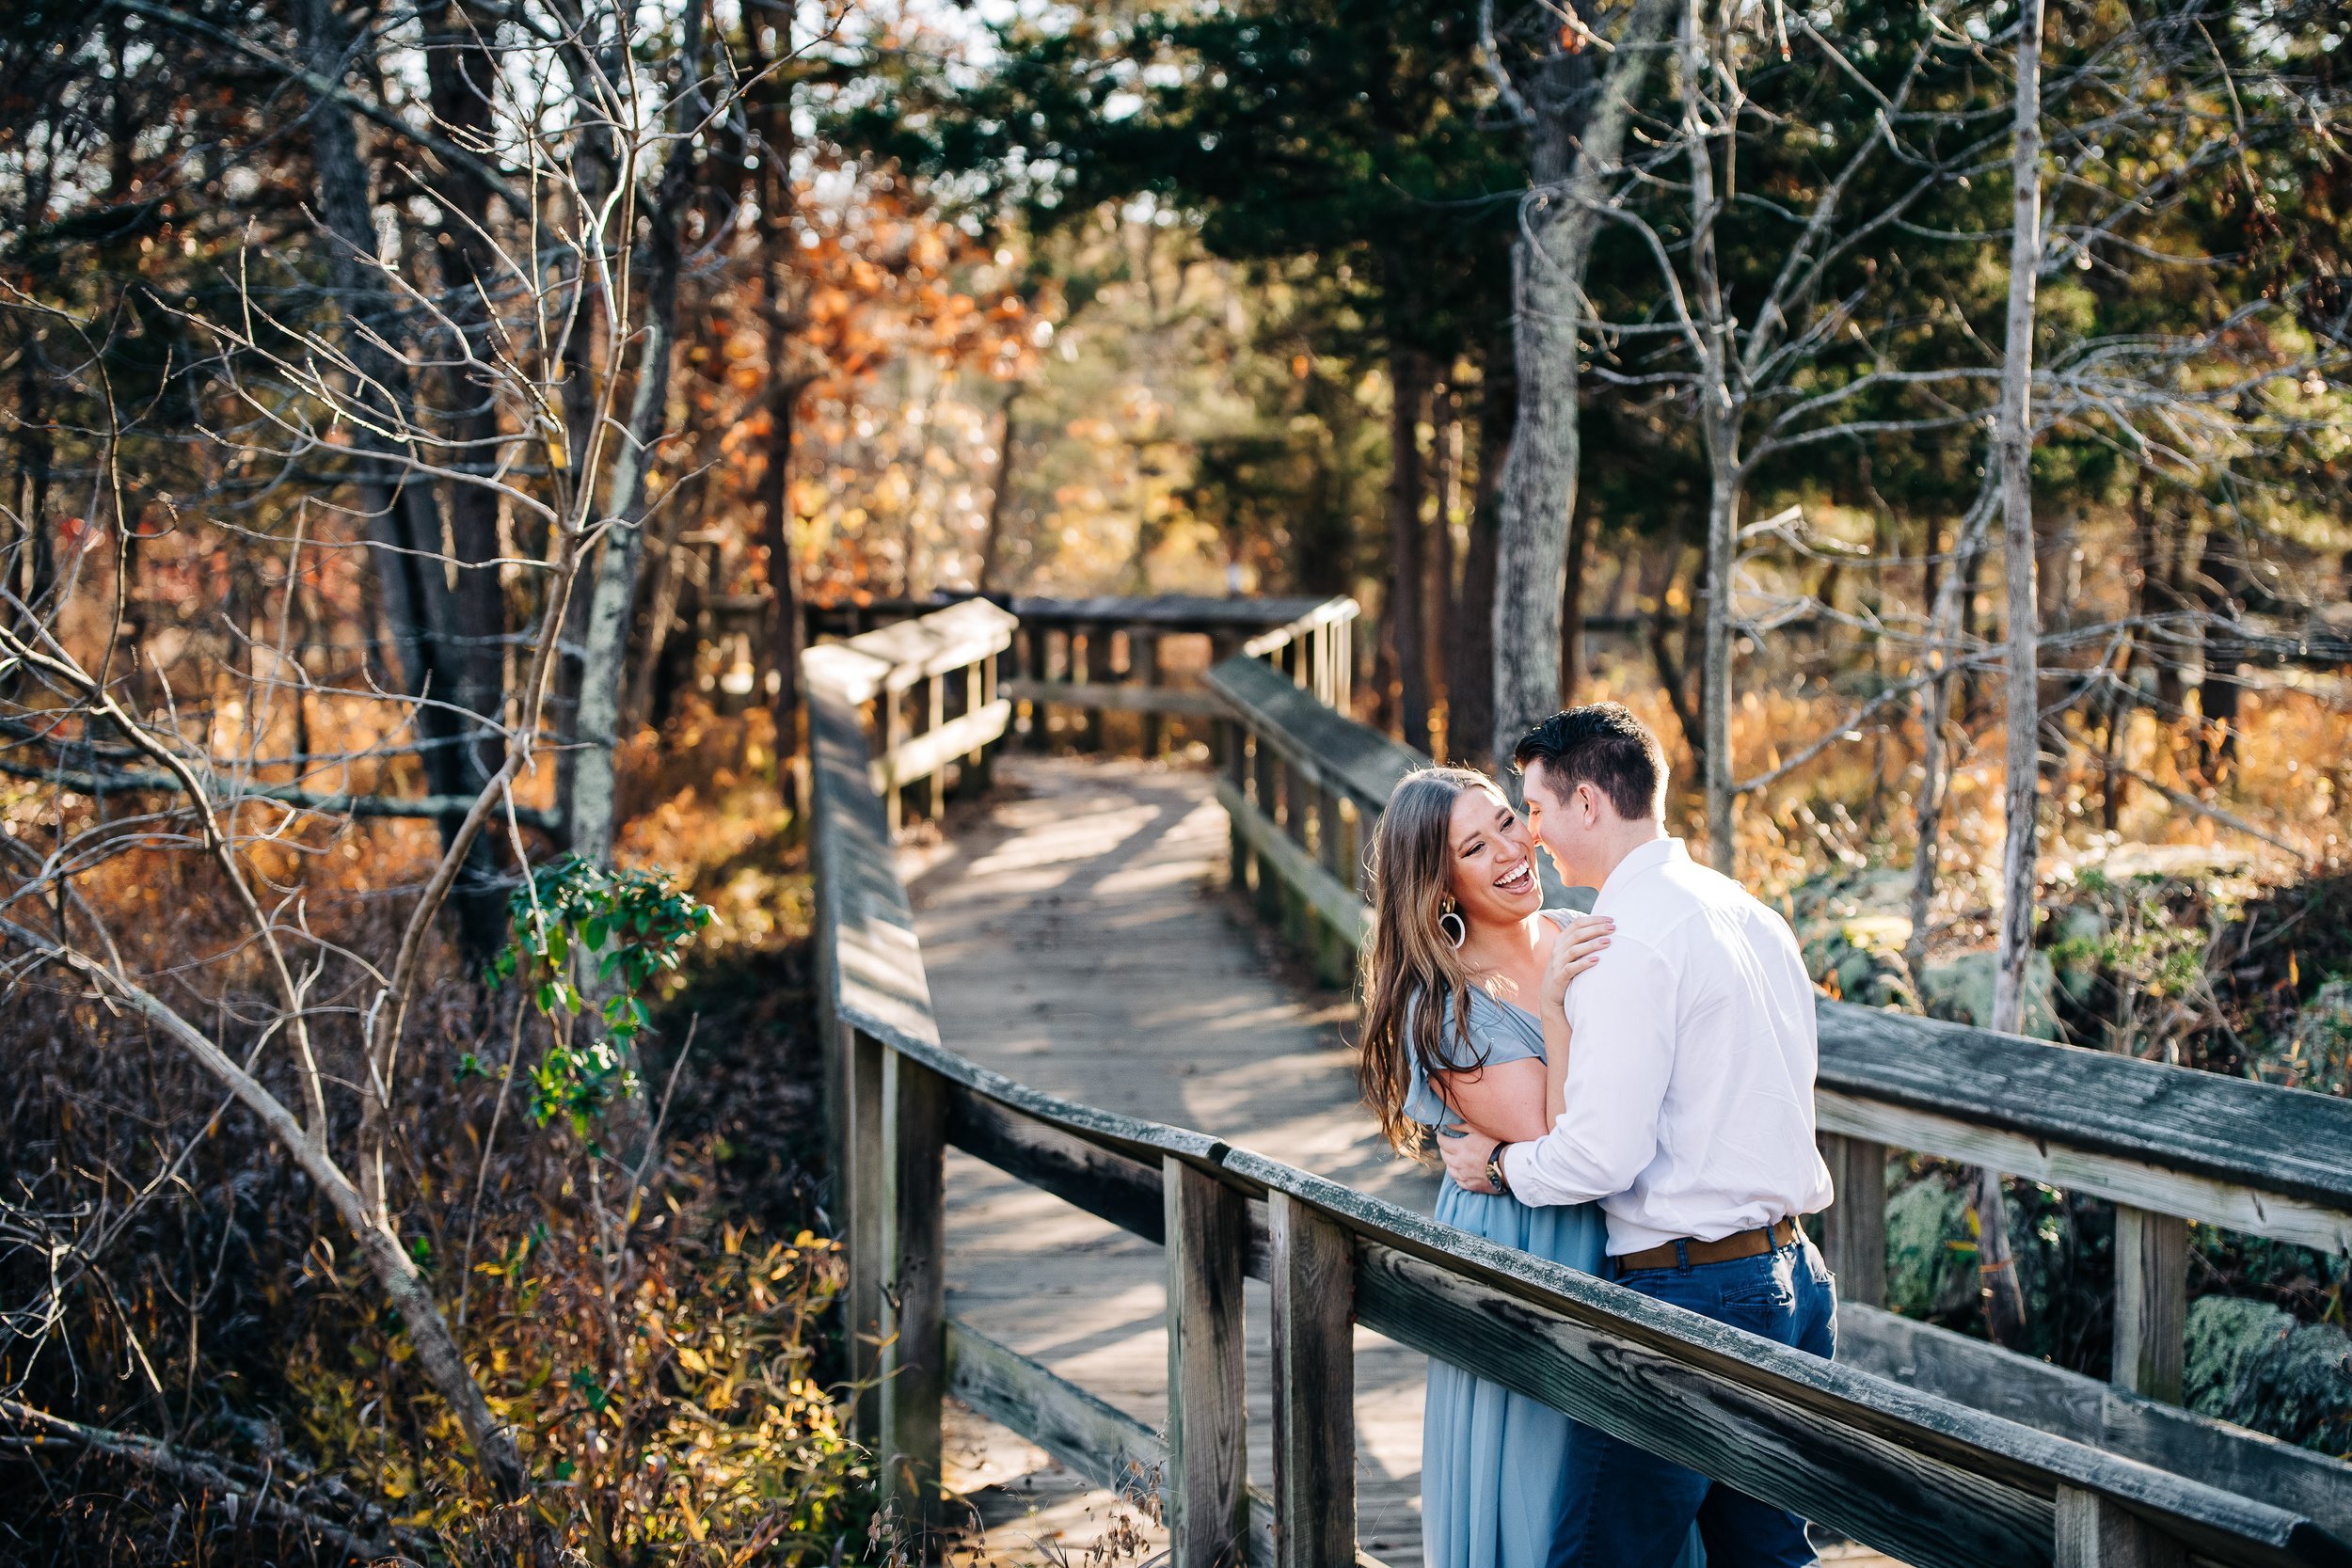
(1494,1171)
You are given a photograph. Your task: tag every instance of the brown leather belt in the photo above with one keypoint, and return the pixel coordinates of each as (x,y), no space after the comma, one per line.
(1740,1244)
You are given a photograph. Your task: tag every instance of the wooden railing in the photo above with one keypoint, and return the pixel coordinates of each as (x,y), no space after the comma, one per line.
(1303,788)
(1105,655)
(1931,1482)
(931,686)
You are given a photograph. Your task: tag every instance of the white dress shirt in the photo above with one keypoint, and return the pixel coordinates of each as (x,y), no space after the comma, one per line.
(1691,1065)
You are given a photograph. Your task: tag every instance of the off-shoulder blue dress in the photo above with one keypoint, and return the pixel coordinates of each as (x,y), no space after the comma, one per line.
(1492,1462)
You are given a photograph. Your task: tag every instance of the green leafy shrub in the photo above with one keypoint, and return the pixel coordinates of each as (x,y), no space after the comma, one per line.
(577,927)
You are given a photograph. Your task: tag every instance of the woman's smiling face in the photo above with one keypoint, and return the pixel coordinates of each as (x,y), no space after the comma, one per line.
(1492,873)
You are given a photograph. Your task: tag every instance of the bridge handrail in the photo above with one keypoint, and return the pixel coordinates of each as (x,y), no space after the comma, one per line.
(1308,639)
(956,720)
(2231,1153)
(1932,1482)
(1304,788)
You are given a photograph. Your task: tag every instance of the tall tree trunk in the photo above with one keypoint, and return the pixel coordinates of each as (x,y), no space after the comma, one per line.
(2142,640)
(993,540)
(462,83)
(579,400)
(1469,680)
(1408,388)
(2014,435)
(2222,591)
(2004,1301)
(1946,624)
(1445,484)
(604,655)
(1665,630)
(1580,133)
(403,522)
(2181,556)
(778,200)
(784,572)
(1717,424)
(661,606)
(1572,604)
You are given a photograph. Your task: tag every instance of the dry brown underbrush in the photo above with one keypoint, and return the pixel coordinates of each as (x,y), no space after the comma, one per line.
(655,1336)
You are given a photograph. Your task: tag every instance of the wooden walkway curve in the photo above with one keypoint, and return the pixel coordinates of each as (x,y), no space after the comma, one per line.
(1083,1110)
(1098,884)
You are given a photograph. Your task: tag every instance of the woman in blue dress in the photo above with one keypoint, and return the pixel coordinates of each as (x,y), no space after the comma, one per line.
(1463,982)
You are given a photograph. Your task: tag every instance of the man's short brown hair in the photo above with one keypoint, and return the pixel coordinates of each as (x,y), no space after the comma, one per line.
(1604,745)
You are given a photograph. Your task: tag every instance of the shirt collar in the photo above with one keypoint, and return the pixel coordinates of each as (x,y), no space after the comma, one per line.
(1649,856)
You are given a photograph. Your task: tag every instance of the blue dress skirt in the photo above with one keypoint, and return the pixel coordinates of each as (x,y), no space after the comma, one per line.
(1493,1462)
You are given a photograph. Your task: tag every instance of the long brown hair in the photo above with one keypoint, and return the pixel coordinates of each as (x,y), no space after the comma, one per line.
(1408,955)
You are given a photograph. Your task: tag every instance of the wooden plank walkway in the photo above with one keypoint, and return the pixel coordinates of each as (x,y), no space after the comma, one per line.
(1078,938)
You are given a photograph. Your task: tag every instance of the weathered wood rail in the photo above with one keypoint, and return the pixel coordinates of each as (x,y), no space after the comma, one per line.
(1925,1479)
(1304,787)
(1098,655)
(1103,655)
(932,685)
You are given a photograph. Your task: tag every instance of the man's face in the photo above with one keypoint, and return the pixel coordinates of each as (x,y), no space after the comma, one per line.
(1560,819)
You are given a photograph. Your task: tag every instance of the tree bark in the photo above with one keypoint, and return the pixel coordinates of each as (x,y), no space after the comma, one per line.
(1670,678)
(461,84)
(781,319)
(403,522)
(1720,431)
(1579,131)
(604,656)
(1469,680)
(1572,605)
(1445,485)
(2004,1297)
(2014,435)
(2222,591)
(1409,390)
(1945,628)
(993,540)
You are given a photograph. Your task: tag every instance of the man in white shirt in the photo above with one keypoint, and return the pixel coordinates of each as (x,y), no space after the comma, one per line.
(1688,1119)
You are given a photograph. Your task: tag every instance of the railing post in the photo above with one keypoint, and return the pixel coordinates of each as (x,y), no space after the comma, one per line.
(1344,665)
(2151,1303)
(1038,635)
(1143,658)
(1236,760)
(894,736)
(936,688)
(1334,847)
(1314,1272)
(1205,1492)
(1267,766)
(2094,1532)
(1298,917)
(979,691)
(1855,1229)
(914,1344)
(865,1193)
(1098,655)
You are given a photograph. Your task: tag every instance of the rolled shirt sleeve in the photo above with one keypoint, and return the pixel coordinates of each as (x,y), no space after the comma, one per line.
(1621,1048)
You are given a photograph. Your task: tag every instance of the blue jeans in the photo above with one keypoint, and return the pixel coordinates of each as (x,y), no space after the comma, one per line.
(1626,1508)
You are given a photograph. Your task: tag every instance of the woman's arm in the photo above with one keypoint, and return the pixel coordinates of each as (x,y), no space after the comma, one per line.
(1555,1064)
(1503,1100)
(1573,951)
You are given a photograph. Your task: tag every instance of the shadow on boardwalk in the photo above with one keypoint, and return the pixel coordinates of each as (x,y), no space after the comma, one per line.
(1078,938)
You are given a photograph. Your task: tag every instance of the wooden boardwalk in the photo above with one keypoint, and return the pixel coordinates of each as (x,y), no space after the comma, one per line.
(1078,938)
